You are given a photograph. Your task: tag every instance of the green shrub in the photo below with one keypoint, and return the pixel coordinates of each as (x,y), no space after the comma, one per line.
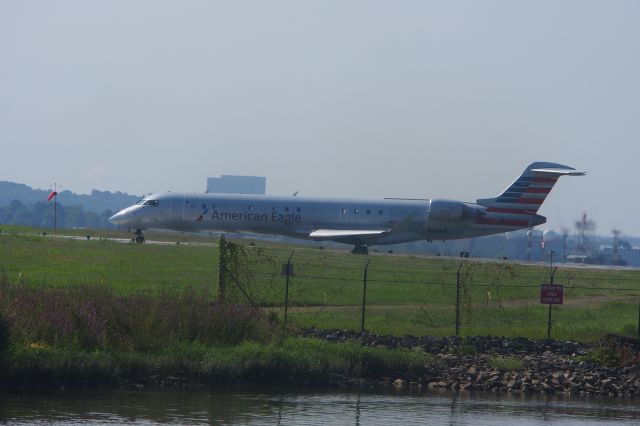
(612,353)
(292,360)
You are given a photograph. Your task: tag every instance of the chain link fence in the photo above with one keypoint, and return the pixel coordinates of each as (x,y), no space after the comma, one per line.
(408,295)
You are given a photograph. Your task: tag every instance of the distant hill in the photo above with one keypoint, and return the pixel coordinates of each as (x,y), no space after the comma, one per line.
(97,201)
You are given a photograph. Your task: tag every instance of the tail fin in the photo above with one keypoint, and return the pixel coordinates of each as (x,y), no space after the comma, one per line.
(528,192)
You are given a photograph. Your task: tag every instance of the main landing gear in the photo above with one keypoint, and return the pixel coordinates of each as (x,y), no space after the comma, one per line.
(139,238)
(360,249)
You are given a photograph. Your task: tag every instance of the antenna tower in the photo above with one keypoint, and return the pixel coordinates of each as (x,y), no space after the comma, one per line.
(616,245)
(565,236)
(585,228)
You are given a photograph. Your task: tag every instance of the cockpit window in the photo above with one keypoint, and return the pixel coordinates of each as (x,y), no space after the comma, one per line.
(139,201)
(151,203)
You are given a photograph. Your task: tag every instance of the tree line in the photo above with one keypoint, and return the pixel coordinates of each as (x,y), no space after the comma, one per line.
(41,214)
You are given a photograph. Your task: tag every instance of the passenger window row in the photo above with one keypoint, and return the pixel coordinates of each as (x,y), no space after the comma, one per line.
(368,211)
(286,209)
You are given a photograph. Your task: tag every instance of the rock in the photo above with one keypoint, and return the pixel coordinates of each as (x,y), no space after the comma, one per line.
(399,383)
(466,386)
(572,384)
(547,365)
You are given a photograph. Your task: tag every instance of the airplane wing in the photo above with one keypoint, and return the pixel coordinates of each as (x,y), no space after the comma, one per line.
(330,234)
(350,236)
(362,236)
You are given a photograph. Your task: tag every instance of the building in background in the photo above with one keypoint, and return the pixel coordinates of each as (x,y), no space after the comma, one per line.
(622,256)
(228,184)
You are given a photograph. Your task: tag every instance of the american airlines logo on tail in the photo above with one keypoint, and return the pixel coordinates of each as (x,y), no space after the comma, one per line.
(519,203)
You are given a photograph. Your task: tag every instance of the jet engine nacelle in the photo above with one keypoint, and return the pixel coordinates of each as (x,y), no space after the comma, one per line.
(451,211)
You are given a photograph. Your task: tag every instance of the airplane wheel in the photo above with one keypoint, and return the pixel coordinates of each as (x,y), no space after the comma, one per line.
(139,236)
(360,250)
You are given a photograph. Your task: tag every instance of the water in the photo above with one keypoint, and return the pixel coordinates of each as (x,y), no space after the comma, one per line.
(305,408)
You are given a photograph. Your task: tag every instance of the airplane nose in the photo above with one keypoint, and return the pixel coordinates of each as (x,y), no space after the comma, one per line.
(118,218)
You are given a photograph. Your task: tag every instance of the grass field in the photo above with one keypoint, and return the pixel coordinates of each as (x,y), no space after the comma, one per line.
(405,294)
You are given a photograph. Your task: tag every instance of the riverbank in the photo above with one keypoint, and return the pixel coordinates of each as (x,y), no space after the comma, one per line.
(342,359)
(289,361)
(513,365)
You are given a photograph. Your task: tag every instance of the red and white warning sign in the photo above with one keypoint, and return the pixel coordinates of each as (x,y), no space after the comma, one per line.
(551,294)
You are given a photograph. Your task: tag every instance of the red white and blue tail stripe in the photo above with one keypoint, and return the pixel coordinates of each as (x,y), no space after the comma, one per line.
(520,202)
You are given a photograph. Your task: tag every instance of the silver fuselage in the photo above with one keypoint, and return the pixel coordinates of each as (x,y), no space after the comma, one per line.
(300,216)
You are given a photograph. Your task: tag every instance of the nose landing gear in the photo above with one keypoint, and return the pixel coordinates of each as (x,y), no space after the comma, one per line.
(139,238)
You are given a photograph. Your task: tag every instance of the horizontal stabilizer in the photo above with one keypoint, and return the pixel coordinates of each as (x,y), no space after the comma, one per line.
(559,172)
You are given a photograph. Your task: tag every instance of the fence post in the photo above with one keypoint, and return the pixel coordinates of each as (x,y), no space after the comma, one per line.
(638,318)
(222,268)
(549,324)
(552,272)
(286,288)
(458,301)
(364,292)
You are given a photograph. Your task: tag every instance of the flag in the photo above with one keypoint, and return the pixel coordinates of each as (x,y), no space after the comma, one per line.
(53,194)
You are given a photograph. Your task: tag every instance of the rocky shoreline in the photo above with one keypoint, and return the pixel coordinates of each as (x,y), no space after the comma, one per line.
(513,365)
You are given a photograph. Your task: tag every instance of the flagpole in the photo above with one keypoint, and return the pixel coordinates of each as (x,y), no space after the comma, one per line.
(55,208)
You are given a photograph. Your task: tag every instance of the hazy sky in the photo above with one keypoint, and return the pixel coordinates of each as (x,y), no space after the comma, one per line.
(331,98)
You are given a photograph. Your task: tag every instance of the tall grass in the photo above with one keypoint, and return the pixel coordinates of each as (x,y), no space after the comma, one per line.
(92,335)
(94,317)
(291,360)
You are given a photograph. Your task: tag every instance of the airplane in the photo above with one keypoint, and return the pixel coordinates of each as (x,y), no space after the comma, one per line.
(359,222)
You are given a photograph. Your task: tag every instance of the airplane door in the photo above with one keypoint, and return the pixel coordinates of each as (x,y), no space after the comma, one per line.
(177,208)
